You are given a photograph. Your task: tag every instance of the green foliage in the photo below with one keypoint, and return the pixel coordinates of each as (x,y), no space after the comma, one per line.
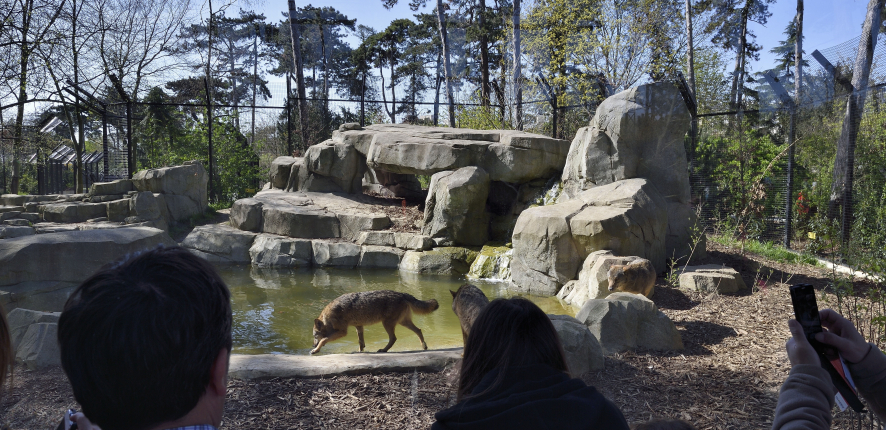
(766,249)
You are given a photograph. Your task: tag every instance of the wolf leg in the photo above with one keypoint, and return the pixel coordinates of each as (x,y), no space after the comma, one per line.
(408,324)
(389,327)
(360,337)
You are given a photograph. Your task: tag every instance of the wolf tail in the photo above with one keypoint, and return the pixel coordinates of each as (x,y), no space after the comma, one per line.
(422,307)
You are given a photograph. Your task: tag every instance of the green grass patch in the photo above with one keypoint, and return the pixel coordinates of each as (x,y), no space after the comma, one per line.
(766,250)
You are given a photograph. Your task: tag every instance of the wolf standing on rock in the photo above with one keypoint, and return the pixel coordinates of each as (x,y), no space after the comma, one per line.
(369,307)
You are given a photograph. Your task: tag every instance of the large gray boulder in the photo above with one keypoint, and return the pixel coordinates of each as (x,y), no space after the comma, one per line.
(638,133)
(298,173)
(71,212)
(39,347)
(13,231)
(113,188)
(340,254)
(144,205)
(280,170)
(627,321)
(219,243)
(40,271)
(455,209)
(187,181)
(583,352)
(341,163)
(71,256)
(21,319)
(299,221)
(246,214)
(275,251)
(550,242)
(380,256)
(593,278)
(710,278)
(508,156)
(439,261)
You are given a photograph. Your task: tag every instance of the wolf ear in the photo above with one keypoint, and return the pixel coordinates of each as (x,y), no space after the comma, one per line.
(318,324)
(453,293)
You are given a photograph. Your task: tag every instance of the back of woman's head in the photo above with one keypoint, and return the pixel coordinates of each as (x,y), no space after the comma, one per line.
(508,333)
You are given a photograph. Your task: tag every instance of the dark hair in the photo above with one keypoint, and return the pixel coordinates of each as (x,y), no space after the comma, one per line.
(508,332)
(660,424)
(138,339)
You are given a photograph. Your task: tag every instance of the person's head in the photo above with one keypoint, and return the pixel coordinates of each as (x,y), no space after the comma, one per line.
(141,339)
(508,333)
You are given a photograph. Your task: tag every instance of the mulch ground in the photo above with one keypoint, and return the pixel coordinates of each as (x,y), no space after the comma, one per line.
(727,377)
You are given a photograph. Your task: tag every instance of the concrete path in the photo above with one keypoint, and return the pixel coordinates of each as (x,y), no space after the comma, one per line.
(309,366)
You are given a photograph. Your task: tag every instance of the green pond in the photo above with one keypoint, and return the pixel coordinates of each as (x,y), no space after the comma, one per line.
(274,309)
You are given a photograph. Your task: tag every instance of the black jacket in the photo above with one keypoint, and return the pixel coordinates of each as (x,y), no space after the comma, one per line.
(532,397)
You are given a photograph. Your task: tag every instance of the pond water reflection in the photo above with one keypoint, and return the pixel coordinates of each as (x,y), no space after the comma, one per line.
(274,309)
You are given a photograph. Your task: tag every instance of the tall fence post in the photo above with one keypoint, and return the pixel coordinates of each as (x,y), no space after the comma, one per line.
(130,148)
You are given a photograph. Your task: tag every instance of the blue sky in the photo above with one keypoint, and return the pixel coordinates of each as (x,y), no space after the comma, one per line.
(826,22)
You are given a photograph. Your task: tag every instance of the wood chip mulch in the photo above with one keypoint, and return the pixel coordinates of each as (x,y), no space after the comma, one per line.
(727,376)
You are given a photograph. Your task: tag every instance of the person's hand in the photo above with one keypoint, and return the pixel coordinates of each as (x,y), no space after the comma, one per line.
(83,422)
(841,334)
(800,351)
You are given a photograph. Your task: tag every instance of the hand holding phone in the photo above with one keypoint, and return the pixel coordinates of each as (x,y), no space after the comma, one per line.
(809,318)
(843,336)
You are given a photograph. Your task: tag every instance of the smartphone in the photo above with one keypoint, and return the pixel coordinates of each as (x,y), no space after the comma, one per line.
(806,312)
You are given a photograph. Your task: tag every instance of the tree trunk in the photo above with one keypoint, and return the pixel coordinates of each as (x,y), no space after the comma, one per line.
(438,81)
(485,90)
(254,77)
(738,75)
(325,73)
(844,163)
(690,55)
(447,70)
(518,78)
(299,75)
(81,135)
(18,130)
(208,84)
(393,94)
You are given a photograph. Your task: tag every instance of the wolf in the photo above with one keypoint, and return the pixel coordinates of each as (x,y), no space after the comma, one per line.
(636,277)
(369,307)
(467,302)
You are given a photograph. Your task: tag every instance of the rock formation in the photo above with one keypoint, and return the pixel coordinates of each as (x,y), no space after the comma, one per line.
(639,133)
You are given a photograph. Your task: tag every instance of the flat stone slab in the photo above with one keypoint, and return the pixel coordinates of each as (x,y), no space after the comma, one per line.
(711,278)
(310,215)
(507,155)
(311,366)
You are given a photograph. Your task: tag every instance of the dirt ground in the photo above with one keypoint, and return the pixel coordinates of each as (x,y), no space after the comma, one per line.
(727,377)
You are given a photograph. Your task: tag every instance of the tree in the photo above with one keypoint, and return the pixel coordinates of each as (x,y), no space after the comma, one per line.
(387,50)
(786,50)
(730,32)
(844,163)
(518,71)
(32,24)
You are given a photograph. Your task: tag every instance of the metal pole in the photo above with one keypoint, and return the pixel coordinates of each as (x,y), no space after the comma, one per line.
(129,146)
